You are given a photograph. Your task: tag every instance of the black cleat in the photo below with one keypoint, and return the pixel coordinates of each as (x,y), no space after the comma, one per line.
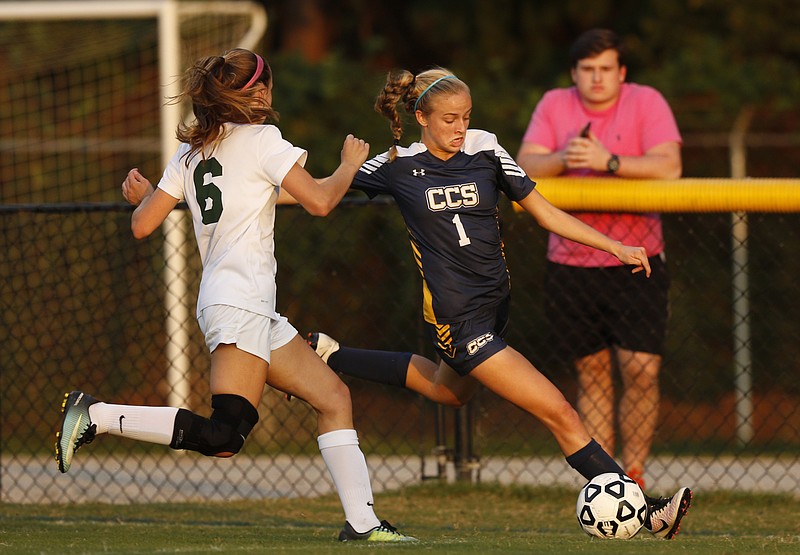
(76,427)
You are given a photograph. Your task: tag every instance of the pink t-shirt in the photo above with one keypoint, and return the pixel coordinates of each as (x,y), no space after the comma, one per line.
(640,120)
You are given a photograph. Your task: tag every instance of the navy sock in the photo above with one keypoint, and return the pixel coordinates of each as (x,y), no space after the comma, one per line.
(591,460)
(386,367)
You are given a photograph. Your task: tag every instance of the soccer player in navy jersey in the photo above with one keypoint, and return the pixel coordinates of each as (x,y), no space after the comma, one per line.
(447,187)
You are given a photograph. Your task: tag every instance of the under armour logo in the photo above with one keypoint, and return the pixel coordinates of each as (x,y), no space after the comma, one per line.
(417,173)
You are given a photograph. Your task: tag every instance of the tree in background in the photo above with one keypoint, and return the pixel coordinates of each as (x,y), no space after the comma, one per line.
(716,61)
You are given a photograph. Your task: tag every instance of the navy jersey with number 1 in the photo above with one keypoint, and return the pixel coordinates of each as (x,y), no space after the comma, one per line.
(450,208)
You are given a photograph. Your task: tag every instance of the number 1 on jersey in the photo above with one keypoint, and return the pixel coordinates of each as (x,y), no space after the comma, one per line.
(463,240)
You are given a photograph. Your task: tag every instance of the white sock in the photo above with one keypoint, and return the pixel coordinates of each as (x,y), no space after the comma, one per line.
(348,468)
(152,424)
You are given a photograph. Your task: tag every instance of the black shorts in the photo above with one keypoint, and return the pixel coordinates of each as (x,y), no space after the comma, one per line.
(591,309)
(464,345)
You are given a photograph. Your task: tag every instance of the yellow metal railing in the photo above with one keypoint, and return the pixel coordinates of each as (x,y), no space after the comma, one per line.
(679,195)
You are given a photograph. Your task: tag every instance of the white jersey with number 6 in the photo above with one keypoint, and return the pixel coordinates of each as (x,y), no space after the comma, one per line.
(231,195)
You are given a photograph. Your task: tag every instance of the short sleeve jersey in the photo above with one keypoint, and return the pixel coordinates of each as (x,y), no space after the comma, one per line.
(639,121)
(232,195)
(450,208)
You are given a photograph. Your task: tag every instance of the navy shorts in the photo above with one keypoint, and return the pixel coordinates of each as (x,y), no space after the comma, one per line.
(591,309)
(464,345)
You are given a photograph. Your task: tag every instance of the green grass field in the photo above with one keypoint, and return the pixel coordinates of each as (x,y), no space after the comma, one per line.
(447,519)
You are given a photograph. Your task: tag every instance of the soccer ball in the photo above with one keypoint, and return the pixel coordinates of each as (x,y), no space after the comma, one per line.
(611,506)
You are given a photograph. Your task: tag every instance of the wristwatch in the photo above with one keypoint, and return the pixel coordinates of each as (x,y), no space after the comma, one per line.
(613,164)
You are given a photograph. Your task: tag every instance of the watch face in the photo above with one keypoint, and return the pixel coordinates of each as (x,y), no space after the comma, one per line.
(613,163)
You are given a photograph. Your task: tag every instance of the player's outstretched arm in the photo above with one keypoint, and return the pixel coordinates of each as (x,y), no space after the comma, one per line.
(559,222)
(319,197)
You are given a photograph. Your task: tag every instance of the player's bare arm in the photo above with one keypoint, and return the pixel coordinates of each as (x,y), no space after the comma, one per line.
(152,204)
(557,221)
(151,213)
(320,197)
(136,187)
(285,198)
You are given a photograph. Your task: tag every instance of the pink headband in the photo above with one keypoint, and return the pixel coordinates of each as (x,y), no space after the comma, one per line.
(257,74)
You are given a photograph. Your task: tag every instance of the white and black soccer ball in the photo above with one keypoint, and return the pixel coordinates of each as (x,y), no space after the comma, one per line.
(611,506)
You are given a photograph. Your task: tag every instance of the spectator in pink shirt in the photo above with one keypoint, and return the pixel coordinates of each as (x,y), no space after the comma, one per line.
(602,316)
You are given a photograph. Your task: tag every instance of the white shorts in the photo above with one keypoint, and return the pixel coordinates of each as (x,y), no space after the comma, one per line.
(254,333)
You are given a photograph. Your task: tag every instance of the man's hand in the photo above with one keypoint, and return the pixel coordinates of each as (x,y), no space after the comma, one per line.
(586,153)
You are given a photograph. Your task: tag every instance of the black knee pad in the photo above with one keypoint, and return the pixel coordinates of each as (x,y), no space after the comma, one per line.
(236,412)
(230,423)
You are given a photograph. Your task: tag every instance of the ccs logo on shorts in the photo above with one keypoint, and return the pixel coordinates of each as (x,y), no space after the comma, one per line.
(476,344)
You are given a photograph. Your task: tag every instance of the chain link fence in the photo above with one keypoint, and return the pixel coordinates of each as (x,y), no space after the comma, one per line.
(83,307)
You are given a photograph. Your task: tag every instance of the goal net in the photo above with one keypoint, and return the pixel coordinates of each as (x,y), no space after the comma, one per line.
(83,90)
(83,86)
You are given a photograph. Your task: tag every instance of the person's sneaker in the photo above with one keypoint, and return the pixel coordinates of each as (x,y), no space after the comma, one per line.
(384,532)
(76,427)
(323,344)
(664,515)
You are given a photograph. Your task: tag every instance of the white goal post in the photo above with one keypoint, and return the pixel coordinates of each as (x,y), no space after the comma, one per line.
(169,14)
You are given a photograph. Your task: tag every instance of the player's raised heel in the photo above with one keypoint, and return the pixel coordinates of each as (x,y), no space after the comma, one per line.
(384,532)
(76,427)
(664,515)
(324,345)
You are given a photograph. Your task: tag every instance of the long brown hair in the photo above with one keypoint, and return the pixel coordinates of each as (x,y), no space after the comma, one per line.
(415,93)
(223,89)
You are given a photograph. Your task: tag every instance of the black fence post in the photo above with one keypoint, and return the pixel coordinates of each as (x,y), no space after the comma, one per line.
(464,457)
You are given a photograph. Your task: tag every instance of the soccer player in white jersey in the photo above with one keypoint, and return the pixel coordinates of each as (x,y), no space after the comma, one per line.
(447,187)
(230,170)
